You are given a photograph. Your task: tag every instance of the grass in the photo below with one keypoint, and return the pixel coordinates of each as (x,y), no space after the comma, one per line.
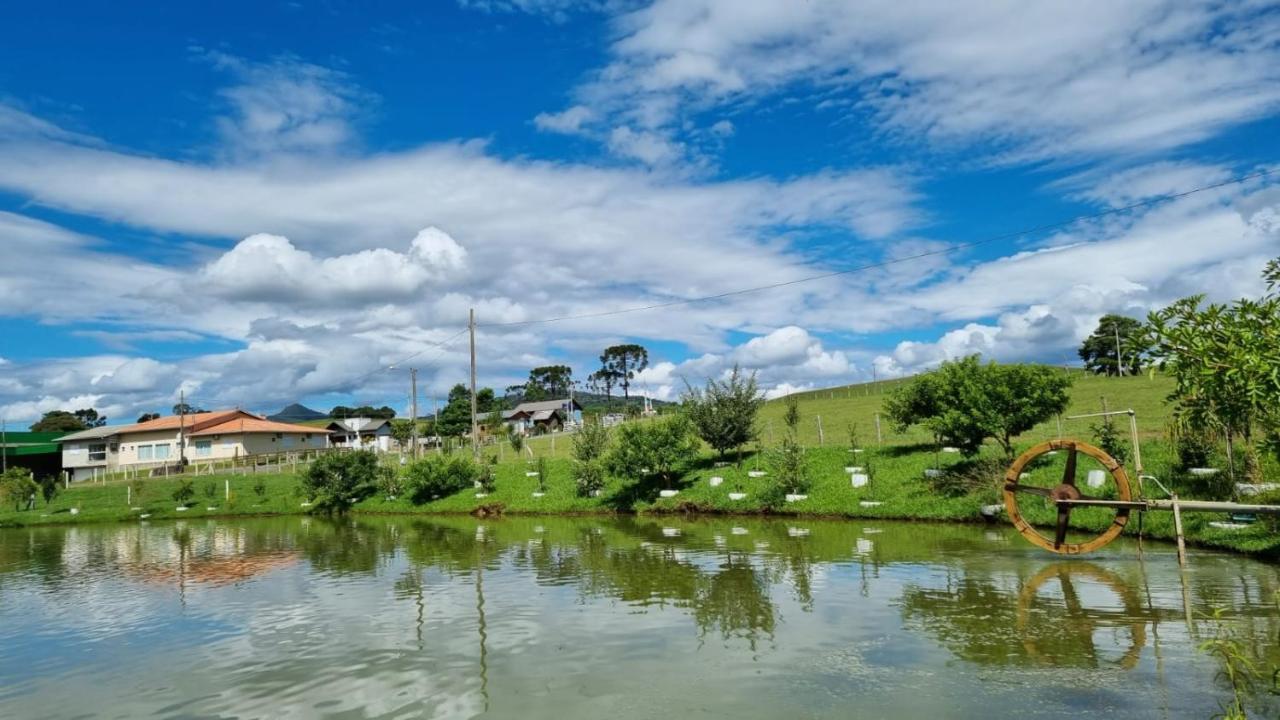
(897,470)
(838,407)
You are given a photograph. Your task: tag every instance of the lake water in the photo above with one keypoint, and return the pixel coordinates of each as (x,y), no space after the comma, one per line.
(612,618)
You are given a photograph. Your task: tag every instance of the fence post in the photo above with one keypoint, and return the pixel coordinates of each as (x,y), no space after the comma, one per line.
(879,438)
(820,438)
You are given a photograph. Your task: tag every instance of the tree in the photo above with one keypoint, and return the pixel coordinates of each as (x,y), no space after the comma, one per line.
(90,417)
(17,487)
(964,402)
(333,480)
(622,362)
(788,461)
(402,432)
(183,408)
(724,412)
(662,448)
(1099,349)
(590,445)
(548,382)
(58,421)
(601,382)
(342,411)
(455,418)
(1224,360)
(148,417)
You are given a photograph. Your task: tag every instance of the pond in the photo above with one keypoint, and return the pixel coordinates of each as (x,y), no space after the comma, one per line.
(617,618)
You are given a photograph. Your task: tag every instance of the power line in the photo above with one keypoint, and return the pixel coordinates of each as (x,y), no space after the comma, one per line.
(896,261)
(438,346)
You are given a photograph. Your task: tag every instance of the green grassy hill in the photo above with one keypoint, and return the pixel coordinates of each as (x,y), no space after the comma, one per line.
(838,407)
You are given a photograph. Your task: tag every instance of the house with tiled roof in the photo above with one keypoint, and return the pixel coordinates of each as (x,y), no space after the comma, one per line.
(178,440)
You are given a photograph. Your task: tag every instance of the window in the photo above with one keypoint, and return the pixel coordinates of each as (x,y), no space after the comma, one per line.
(98,452)
(162,451)
(204,448)
(145,452)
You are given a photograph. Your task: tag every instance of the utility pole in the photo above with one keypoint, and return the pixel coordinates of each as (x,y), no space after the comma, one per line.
(413,404)
(4,446)
(475,426)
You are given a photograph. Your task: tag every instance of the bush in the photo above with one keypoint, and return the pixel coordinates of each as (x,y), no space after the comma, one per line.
(969,476)
(333,480)
(1194,449)
(17,487)
(49,488)
(487,474)
(210,489)
(589,447)
(184,492)
(260,488)
(662,448)
(437,476)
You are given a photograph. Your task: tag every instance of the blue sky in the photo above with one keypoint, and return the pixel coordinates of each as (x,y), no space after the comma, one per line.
(256,203)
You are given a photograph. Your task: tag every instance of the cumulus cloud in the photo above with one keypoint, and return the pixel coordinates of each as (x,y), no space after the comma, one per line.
(268,268)
(568,122)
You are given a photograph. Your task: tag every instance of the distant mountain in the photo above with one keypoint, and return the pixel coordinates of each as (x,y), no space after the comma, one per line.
(297,413)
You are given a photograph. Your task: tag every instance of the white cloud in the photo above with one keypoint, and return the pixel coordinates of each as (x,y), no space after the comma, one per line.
(268,268)
(1038,80)
(648,147)
(568,122)
(286,105)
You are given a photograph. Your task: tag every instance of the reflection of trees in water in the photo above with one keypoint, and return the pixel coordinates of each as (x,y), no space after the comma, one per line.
(1045,621)
(735,600)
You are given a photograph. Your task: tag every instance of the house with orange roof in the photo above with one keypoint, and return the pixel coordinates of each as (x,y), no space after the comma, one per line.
(177,440)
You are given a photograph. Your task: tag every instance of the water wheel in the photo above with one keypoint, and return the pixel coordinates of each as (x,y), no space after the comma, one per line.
(1015,487)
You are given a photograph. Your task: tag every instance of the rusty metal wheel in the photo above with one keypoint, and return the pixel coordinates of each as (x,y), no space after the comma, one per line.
(1065,490)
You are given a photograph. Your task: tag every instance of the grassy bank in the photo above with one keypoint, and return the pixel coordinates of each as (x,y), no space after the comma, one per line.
(898,484)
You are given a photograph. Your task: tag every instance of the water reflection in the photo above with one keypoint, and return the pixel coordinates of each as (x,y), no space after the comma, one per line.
(452,616)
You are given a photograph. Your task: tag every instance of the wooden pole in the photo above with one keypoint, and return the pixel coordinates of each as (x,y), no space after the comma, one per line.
(879,438)
(1177,528)
(819,419)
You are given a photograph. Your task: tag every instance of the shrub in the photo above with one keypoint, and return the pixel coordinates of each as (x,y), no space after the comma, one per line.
(787,460)
(1194,449)
(516,440)
(963,478)
(49,488)
(210,489)
(662,448)
(542,474)
(334,479)
(185,491)
(437,476)
(487,474)
(589,447)
(17,487)
(260,488)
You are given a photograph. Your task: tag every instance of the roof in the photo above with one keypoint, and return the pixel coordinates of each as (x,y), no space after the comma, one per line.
(544,414)
(533,407)
(97,433)
(254,424)
(357,424)
(205,423)
(29,443)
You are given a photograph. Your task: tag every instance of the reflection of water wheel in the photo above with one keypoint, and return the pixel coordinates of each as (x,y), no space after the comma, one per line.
(1066,490)
(1080,617)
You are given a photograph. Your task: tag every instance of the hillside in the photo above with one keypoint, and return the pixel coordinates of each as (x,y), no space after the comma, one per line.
(838,407)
